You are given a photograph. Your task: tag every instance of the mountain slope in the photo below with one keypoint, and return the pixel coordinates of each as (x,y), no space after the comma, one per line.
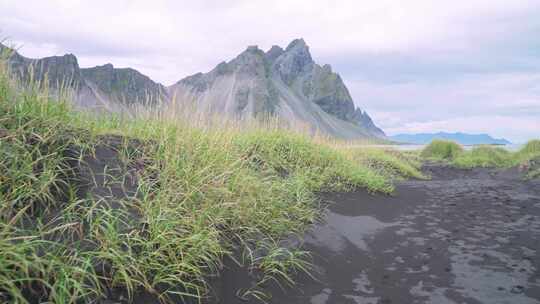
(462,138)
(124,85)
(287,83)
(102,87)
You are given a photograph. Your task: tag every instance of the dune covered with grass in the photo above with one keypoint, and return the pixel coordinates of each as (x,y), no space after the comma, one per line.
(97,205)
(442,150)
(526,159)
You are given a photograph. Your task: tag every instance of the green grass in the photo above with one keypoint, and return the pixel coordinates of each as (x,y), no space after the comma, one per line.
(495,157)
(316,166)
(529,151)
(389,163)
(203,192)
(528,159)
(531,147)
(485,156)
(442,150)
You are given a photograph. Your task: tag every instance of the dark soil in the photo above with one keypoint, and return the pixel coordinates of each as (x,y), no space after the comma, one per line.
(466,236)
(108,172)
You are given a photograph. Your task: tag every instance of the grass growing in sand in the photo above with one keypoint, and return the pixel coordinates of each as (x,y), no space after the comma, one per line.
(442,150)
(527,158)
(485,156)
(389,163)
(173,199)
(530,150)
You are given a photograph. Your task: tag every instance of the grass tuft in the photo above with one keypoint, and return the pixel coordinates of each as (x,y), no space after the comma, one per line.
(388,163)
(442,150)
(318,167)
(485,156)
(530,150)
(495,157)
(528,159)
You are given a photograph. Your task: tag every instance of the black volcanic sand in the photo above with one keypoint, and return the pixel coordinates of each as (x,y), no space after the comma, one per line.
(466,236)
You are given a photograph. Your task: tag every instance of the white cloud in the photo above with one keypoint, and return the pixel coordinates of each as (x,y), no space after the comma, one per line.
(186,36)
(169,40)
(504,104)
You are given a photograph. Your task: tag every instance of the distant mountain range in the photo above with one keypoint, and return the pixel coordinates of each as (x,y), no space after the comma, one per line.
(462,138)
(283,82)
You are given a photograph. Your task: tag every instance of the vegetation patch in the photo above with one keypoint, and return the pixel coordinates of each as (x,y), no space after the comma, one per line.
(98,206)
(389,163)
(531,166)
(527,159)
(485,156)
(315,166)
(530,150)
(442,150)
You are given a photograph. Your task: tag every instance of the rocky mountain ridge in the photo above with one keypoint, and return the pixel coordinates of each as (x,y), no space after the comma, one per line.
(125,85)
(101,87)
(282,82)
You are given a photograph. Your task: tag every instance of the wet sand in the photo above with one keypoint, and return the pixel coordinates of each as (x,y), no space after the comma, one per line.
(466,236)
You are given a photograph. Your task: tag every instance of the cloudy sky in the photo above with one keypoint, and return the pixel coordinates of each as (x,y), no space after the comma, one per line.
(415,66)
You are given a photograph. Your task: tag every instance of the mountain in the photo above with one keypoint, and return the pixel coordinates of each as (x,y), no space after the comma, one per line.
(124,85)
(462,138)
(102,87)
(284,82)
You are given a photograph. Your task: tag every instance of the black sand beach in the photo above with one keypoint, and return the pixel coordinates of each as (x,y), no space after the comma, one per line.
(465,236)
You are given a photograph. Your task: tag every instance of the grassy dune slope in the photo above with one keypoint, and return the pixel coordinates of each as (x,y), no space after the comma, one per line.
(527,158)
(94,206)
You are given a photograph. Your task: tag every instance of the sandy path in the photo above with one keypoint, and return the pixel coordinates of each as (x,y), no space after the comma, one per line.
(462,237)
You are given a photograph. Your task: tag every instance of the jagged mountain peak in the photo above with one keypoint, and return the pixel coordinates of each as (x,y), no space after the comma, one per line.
(294,61)
(249,52)
(274,52)
(253,49)
(298,43)
(286,82)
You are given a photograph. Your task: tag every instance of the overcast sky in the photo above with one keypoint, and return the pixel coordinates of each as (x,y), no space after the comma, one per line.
(414,66)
